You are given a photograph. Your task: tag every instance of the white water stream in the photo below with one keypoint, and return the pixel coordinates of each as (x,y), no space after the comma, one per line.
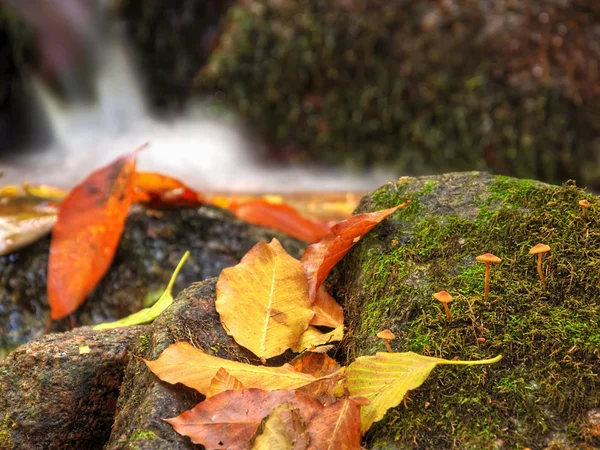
(204,153)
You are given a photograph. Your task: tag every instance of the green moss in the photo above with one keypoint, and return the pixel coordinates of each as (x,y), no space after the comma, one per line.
(144,342)
(143,434)
(5,435)
(549,336)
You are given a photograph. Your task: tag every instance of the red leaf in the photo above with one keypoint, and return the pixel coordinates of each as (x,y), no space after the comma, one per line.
(229,420)
(161,190)
(280,216)
(319,258)
(86,235)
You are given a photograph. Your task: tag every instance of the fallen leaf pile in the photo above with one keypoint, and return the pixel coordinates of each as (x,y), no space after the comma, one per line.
(271,303)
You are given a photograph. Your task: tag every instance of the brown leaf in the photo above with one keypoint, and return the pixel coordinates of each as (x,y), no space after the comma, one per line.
(280,216)
(319,258)
(319,365)
(230,419)
(283,429)
(182,363)
(328,312)
(88,229)
(222,382)
(263,301)
(336,427)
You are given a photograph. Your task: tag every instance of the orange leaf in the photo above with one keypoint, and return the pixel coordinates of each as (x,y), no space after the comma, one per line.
(230,419)
(263,301)
(222,382)
(280,216)
(161,190)
(328,312)
(319,258)
(182,363)
(85,238)
(336,427)
(319,366)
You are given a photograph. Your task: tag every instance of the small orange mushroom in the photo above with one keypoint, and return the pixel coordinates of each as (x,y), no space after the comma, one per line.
(387,336)
(488,259)
(539,250)
(584,205)
(444,298)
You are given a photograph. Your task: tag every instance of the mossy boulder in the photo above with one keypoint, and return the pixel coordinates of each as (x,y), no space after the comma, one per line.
(150,248)
(421,87)
(545,392)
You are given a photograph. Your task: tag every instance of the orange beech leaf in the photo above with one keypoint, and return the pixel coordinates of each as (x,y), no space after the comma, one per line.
(160,190)
(222,382)
(319,258)
(319,366)
(263,301)
(283,429)
(88,229)
(182,363)
(280,216)
(336,427)
(230,419)
(328,312)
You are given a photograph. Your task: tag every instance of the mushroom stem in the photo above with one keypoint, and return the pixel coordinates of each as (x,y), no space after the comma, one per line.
(447,309)
(539,267)
(486,290)
(388,346)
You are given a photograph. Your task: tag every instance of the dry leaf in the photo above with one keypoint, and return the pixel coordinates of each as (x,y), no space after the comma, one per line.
(85,238)
(283,429)
(386,378)
(319,258)
(160,190)
(263,301)
(328,312)
(312,338)
(222,382)
(319,365)
(280,216)
(182,363)
(147,315)
(230,419)
(336,427)
(24,221)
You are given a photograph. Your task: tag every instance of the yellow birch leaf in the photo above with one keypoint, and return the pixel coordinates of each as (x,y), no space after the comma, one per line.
(147,315)
(263,301)
(328,312)
(222,382)
(312,338)
(386,378)
(185,364)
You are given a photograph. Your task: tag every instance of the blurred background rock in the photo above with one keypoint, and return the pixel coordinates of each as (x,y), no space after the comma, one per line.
(328,88)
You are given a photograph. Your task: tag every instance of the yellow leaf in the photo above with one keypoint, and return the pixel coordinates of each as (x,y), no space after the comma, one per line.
(222,382)
(386,377)
(147,315)
(283,429)
(263,301)
(84,349)
(182,363)
(328,312)
(312,338)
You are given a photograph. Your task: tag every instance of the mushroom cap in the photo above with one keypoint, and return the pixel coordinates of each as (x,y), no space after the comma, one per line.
(443,297)
(386,334)
(584,203)
(539,248)
(488,258)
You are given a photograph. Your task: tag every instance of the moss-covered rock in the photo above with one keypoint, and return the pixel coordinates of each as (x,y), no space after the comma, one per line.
(424,87)
(150,248)
(545,392)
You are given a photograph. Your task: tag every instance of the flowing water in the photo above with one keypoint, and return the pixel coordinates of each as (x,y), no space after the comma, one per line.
(207,154)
